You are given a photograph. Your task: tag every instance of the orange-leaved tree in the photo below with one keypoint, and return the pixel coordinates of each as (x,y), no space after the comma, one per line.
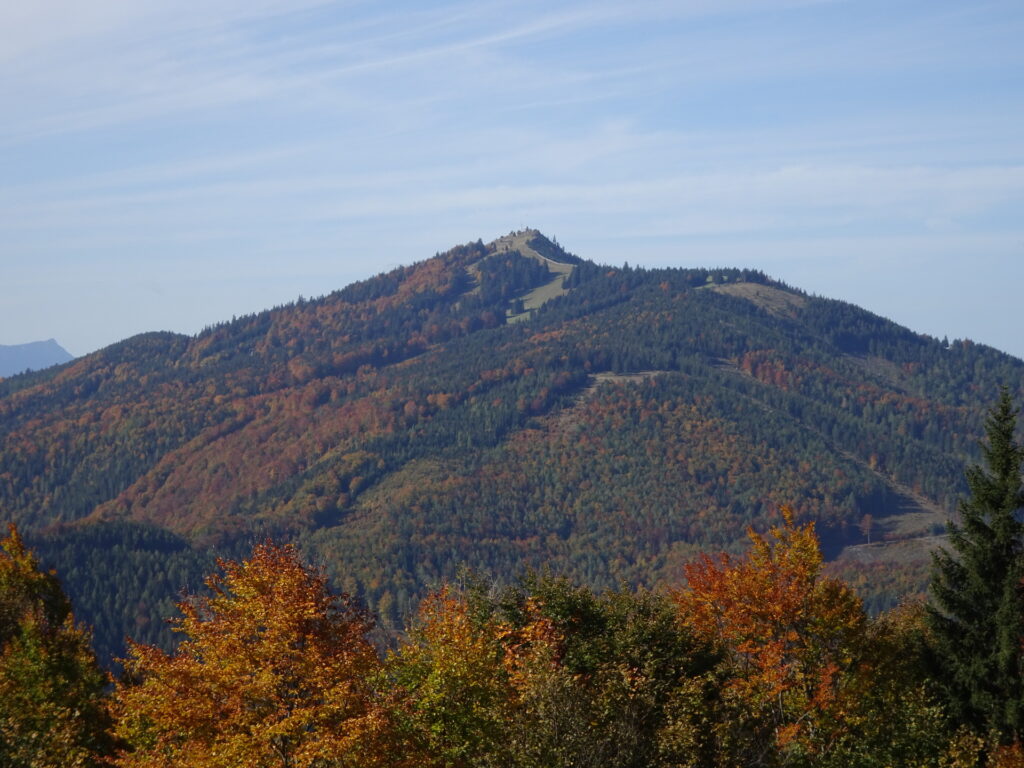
(274,671)
(793,643)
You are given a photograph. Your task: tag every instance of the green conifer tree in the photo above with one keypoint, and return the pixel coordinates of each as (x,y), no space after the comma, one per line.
(977,608)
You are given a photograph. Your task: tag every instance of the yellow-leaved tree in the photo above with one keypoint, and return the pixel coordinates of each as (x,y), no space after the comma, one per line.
(53,713)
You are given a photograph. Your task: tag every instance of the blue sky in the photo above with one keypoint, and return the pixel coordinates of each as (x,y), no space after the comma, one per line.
(166,166)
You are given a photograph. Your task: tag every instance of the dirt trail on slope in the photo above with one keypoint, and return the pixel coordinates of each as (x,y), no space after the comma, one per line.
(533,300)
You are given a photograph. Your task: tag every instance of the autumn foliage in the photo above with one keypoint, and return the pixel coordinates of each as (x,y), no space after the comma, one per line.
(794,639)
(408,406)
(546,675)
(52,709)
(759,660)
(274,671)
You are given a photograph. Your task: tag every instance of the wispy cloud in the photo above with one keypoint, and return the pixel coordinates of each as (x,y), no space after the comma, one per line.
(252,137)
(120,63)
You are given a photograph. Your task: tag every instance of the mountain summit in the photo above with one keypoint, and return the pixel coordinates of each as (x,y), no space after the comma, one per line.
(18,358)
(505,406)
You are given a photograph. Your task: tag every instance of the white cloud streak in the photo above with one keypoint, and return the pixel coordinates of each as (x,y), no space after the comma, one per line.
(260,136)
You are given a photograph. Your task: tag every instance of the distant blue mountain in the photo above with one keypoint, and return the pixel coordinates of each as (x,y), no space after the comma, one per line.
(18,358)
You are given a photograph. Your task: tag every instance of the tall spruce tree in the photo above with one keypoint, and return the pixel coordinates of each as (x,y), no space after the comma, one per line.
(977,607)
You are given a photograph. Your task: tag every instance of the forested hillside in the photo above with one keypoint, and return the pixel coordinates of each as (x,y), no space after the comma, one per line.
(505,406)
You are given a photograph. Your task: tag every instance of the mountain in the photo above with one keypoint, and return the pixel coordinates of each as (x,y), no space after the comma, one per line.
(504,406)
(18,358)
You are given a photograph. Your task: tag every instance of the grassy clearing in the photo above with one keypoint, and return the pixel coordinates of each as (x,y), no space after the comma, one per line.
(533,300)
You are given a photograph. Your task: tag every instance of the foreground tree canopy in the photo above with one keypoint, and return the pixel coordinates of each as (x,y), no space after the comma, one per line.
(274,670)
(758,660)
(52,708)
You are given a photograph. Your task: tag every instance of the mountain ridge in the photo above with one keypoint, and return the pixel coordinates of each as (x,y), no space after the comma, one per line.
(30,356)
(426,418)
